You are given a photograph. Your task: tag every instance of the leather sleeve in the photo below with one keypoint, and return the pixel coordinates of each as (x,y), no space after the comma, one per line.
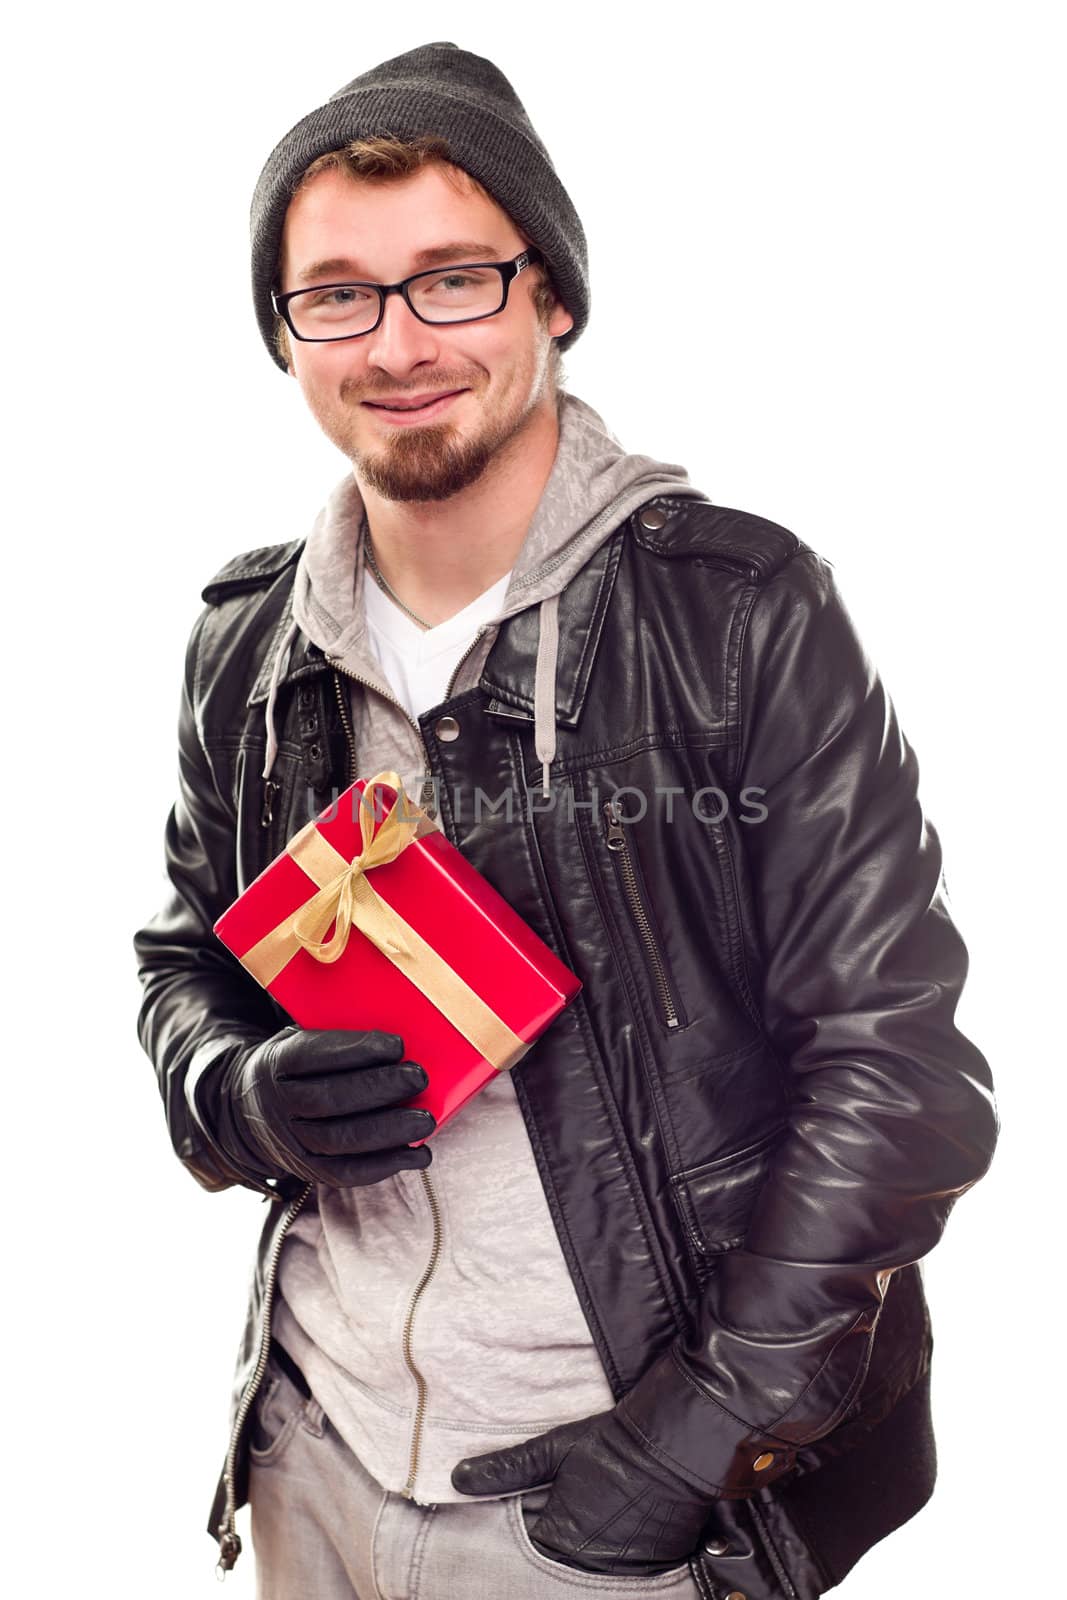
(892,1114)
(200,1009)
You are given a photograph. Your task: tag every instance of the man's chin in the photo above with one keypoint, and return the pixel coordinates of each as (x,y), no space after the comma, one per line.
(427,464)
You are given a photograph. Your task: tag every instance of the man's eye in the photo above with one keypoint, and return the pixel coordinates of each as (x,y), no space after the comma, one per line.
(346,296)
(459,281)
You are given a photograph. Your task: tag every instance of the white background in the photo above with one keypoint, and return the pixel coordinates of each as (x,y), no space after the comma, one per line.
(852,216)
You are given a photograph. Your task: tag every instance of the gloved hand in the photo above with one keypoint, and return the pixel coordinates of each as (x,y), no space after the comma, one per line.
(325,1105)
(613,1506)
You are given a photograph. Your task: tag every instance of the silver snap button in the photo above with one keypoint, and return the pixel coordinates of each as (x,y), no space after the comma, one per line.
(446,729)
(717,1547)
(652,518)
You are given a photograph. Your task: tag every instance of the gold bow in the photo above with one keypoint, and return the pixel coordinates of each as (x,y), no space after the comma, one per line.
(345,896)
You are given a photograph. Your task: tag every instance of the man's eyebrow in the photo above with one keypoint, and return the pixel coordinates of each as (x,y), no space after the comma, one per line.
(455,250)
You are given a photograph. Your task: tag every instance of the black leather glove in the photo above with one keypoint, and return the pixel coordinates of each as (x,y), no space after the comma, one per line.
(614,1506)
(325,1105)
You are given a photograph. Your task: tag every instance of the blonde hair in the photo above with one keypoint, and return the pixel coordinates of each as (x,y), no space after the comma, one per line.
(385,159)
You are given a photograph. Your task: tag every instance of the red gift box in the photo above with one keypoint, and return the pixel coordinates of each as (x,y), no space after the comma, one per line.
(370,918)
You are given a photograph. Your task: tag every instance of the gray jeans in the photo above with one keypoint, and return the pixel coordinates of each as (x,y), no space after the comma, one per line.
(322,1527)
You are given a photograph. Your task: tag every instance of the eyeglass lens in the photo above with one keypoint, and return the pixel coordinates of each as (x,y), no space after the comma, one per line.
(349,308)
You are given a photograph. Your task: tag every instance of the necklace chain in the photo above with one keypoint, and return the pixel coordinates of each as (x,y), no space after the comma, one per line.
(385,588)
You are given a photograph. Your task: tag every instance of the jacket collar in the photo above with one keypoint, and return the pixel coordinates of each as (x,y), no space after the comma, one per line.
(306,660)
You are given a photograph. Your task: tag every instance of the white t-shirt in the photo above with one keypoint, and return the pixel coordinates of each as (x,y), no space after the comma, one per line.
(418,663)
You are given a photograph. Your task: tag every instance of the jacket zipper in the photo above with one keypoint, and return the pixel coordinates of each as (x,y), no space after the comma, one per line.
(229,1540)
(408,1490)
(619,845)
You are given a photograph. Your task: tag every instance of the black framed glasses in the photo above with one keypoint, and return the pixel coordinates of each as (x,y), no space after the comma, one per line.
(464,293)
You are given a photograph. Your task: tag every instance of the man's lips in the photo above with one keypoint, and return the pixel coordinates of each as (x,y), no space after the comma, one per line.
(411,402)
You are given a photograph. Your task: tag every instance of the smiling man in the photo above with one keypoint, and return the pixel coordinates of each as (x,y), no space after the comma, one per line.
(654,1322)
(420,412)
(480,337)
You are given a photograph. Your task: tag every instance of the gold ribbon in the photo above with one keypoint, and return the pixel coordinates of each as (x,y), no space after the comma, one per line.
(347,898)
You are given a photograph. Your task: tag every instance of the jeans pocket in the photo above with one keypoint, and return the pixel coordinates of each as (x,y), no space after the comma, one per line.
(527,1509)
(277,1412)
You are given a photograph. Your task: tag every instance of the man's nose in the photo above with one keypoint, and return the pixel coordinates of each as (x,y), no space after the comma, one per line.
(400,340)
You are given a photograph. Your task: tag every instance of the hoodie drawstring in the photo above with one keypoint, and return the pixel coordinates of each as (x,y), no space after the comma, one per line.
(545,685)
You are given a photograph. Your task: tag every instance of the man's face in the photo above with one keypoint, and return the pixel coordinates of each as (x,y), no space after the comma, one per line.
(338,229)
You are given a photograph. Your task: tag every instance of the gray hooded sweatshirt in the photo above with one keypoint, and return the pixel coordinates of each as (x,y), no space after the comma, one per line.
(497,1335)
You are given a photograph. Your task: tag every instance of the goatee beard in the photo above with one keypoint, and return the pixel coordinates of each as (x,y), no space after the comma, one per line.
(425,464)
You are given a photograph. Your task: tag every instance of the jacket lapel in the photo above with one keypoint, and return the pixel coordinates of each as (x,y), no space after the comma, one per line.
(508,677)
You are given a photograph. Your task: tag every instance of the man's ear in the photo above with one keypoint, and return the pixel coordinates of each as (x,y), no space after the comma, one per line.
(561,321)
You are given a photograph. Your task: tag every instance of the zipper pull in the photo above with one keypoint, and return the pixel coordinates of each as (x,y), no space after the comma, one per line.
(616,837)
(229,1550)
(266,816)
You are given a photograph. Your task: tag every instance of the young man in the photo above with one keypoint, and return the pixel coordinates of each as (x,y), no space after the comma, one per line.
(647,1315)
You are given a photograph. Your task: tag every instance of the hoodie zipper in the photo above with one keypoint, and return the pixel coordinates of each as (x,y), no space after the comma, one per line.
(619,845)
(229,1539)
(482,628)
(408,1490)
(426,794)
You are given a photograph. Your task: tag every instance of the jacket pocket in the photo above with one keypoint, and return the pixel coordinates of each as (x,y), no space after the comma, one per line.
(638,903)
(716,1198)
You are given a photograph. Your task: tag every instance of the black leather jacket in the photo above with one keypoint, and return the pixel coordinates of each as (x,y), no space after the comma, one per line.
(762,1066)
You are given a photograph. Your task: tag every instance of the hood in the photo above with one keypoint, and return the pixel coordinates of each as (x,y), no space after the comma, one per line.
(593,486)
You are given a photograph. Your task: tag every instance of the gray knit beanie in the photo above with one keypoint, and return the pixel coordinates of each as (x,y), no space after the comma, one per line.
(463,98)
